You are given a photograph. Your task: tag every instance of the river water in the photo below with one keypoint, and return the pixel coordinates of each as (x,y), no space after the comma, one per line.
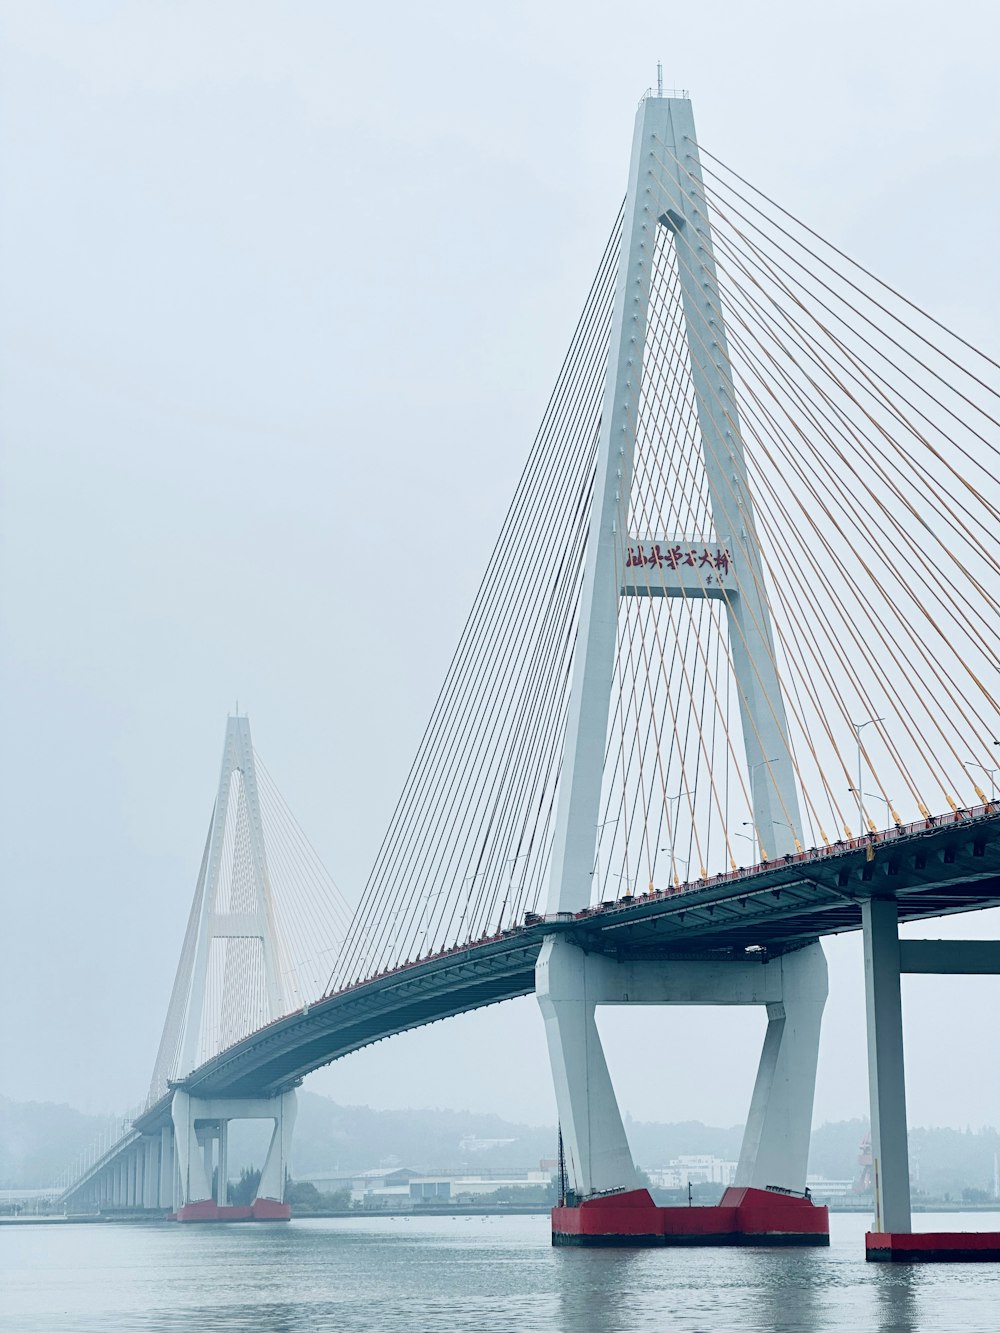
(466,1274)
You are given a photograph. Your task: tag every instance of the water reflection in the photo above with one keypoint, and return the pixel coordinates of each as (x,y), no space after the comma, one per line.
(691,1288)
(597,1288)
(463,1275)
(896,1288)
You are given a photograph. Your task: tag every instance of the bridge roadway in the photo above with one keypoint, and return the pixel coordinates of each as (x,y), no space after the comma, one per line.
(933,868)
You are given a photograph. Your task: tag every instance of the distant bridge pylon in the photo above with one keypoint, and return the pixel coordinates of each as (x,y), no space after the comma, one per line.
(264,927)
(232,970)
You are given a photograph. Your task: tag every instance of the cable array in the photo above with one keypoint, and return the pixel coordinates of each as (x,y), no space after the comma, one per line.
(468,845)
(312,916)
(168,1056)
(867,434)
(309,918)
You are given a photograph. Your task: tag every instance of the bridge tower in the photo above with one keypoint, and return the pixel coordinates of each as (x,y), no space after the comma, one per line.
(229,983)
(664,207)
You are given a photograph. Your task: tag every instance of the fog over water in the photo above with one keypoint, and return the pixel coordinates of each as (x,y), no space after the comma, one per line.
(283,290)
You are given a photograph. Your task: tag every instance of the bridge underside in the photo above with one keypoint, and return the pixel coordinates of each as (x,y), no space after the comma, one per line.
(949,866)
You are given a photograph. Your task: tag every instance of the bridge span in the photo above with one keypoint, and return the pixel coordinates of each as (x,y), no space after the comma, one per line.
(748,589)
(931,869)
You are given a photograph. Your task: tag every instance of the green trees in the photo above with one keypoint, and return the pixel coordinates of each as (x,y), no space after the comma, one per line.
(244,1191)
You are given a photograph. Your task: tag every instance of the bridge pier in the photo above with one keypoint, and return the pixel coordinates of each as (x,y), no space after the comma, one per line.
(886,958)
(767,1201)
(199,1124)
(168,1170)
(149,1172)
(886,1082)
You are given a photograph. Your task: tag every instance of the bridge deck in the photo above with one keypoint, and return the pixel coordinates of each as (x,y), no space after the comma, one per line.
(934,868)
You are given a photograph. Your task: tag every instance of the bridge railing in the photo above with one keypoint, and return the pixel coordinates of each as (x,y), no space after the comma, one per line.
(832,849)
(102,1148)
(664,92)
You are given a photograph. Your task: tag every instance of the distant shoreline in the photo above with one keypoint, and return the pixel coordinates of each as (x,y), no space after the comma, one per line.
(466,1210)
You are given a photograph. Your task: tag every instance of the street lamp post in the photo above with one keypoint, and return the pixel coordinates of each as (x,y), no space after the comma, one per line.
(753,768)
(430,906)
(685,791)
(795,837)
(674,861)
(470,879)
(600,835)
(858,728)
(750,837)
(512,862)
(877,796)
(974,763)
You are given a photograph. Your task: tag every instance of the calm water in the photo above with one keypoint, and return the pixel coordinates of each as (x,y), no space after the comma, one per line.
(463,1274)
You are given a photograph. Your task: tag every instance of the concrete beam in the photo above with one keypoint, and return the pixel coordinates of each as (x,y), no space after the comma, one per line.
(964,958)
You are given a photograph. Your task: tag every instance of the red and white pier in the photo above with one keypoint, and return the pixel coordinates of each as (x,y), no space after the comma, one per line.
(743,1217)
(892,1239)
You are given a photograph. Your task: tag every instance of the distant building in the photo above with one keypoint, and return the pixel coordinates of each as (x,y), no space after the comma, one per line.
(473,1143)
(696,1170)
(831,1191)
(402,1188)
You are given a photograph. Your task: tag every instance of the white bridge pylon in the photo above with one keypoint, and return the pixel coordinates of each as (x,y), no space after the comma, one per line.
(230,977)
(663,211)
(229,983)
(265,920)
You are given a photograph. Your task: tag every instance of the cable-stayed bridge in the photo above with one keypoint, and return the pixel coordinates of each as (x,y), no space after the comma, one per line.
(729,685)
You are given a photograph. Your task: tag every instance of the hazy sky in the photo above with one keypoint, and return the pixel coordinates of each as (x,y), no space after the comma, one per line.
(283,289)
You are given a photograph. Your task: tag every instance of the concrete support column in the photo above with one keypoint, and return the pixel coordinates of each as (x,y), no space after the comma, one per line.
(272,1178)
(150,1172)
(598,1157)
(775,1149)
(194,1185)
(222,1193)
(886,1080)
(206,1138)
(168,1170)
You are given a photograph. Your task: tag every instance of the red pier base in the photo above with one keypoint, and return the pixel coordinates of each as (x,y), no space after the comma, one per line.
(743,1217)
(207,1210)
(932,1247)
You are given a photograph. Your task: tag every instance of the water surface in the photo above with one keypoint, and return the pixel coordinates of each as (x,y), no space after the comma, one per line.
(466,1273)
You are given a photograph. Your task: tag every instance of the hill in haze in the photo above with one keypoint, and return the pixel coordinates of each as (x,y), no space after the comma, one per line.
(39,1140)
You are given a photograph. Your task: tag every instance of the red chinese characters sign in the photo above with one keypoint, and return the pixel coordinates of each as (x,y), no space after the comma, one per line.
(655,555)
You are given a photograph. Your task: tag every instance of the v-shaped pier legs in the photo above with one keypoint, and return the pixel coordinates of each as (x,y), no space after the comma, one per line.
(767,1201)
(200,1134)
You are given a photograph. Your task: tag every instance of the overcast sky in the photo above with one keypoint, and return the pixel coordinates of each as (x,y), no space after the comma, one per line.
(283,290)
